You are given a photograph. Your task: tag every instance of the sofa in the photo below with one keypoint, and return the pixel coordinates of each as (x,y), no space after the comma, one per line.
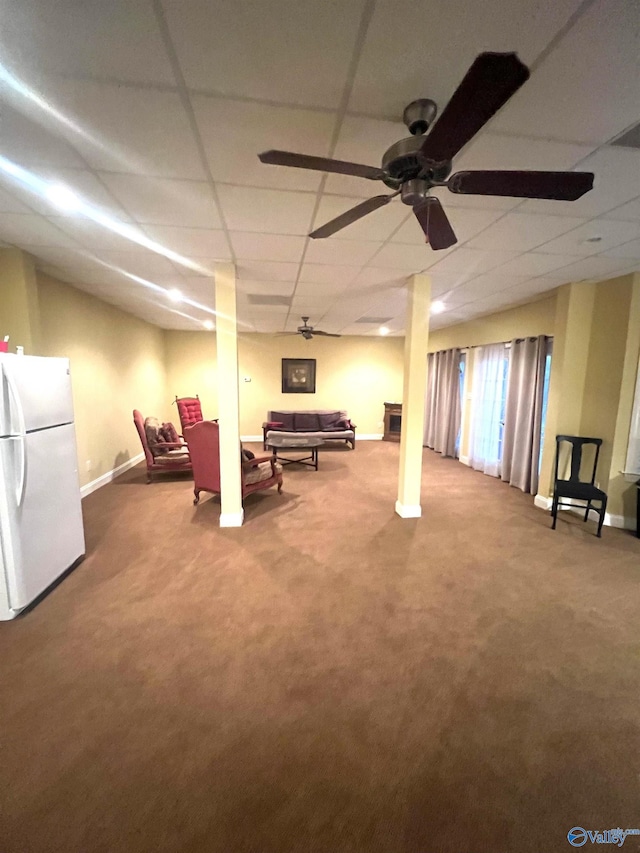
(327,424)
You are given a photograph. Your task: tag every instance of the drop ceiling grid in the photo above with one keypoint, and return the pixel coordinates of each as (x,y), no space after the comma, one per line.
(158,83)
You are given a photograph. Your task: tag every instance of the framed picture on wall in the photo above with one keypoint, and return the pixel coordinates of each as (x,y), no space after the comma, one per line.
(298,376)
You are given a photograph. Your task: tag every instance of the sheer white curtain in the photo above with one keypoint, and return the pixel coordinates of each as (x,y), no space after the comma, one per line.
(487,404)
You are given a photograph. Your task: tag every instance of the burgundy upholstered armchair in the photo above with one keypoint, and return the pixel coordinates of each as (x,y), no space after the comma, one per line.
(160,453)
(189,411)
(203,441)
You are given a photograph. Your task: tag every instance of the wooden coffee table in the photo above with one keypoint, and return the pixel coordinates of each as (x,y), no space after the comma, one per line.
(278,443)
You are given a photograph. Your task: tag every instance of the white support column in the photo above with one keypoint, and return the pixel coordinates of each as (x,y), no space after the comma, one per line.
(231,511)
(413,399)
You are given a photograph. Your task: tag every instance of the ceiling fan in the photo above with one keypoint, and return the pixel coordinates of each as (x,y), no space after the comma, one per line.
(412,166)
(308,331)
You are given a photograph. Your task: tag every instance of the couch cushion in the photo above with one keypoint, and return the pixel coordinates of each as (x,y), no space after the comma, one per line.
(285,418)
(306,422)
(328,419)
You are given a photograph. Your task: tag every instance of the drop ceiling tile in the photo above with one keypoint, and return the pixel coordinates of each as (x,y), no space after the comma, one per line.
(63,258)
(266,211)
(378,225)
(293,51)
(129,129)
(28,143)
(465,222)
(118,40)
(535,264)
(617,180)
(11,204)
(481,287)
(595,268)
(325,292)
(164,201)
(327,274)
(83,183)
(268,288)
(521,232)
(315,306)
(349,252)
(191,242)
(575,242)
(587,87)
(472,262)
(403,258)
(267,270)
(626,212)
(378,275)
(92,235)
(627,250)
(267,247)
(138,261)
(235,132)
(505,151)
(22,229)
(383,86)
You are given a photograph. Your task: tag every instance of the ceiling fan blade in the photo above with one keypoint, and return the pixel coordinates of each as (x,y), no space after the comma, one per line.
(352,215)
(488,84)
(321,164)
(562,186)
(326,334)
(435,224)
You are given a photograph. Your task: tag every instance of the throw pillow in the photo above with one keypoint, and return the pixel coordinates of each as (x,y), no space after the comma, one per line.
(328,419)
(169,433)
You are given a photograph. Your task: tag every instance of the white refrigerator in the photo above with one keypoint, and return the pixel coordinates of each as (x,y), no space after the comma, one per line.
(41,530)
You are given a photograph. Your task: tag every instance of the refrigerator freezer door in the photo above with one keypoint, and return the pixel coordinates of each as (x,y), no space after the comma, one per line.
(35,393)
(45,530)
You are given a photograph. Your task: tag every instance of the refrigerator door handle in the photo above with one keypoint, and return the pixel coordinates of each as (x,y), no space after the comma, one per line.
(22,434)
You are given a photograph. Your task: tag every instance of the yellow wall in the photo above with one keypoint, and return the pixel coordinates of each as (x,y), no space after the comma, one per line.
(19,313)
(532,319)
(117,364)
(353,373)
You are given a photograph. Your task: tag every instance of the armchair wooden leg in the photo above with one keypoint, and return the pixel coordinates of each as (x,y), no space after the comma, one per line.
(148,477)
(196,500)
(601,518)
(554,513)
(586,512)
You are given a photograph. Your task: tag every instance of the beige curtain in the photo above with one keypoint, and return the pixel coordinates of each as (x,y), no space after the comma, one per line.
(442,414)
(523,413)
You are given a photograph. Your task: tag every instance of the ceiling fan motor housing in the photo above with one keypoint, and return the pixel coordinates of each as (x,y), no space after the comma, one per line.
(402,163)
(419,115)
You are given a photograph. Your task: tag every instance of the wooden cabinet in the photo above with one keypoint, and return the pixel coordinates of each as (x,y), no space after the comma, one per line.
(392,421)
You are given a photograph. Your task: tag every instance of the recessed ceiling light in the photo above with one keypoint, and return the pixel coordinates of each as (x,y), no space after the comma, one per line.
(62,197)
(208,325)
(383,330)
(174,295)
(437,307)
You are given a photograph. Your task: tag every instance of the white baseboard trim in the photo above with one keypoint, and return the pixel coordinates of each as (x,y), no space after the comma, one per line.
(466,460)
(231,519)
(251,437)
(103,479)
(622,521)
(408,510)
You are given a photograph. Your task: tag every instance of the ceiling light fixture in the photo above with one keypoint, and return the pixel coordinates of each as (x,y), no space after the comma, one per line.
(174,295)
(208,325)
(384,330)
(437,307)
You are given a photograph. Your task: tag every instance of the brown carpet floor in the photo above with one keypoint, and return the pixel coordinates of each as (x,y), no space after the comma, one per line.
(328,677)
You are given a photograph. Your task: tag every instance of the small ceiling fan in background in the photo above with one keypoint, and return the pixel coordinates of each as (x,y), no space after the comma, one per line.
(412,166)
(309,332)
